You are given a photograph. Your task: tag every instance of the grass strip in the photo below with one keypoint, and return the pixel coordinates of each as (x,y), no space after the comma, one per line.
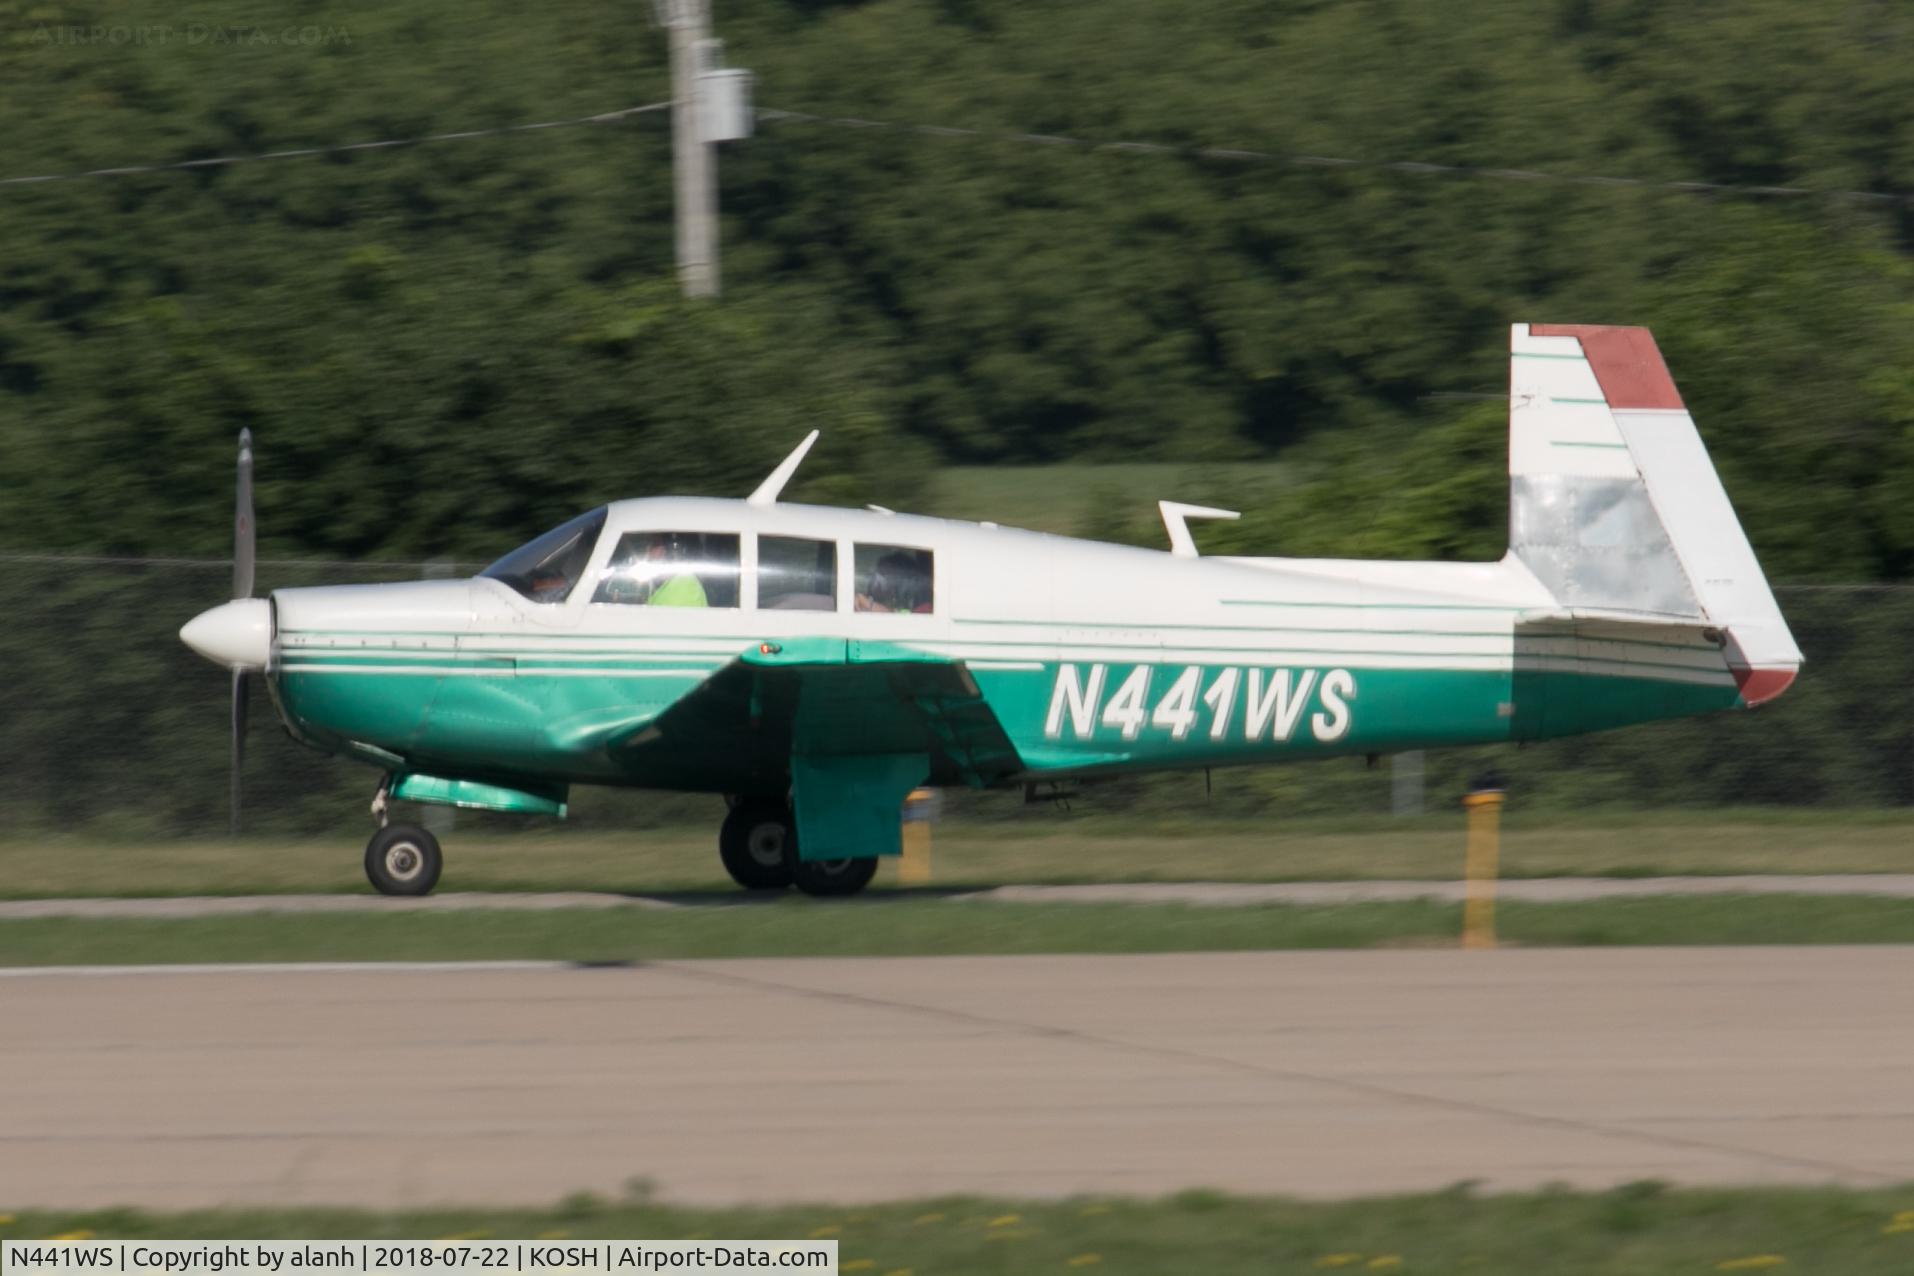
(1641,1229)
(1047,849)
(880,927)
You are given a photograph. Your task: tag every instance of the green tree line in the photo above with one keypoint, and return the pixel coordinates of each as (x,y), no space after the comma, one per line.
(445,347)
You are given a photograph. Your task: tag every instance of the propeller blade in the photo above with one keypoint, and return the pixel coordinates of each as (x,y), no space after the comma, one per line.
(241,690)
(243,520)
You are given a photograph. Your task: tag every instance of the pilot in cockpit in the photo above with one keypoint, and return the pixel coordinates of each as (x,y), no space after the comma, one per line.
(653,569)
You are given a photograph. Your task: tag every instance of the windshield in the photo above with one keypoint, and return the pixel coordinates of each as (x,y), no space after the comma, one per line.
(546,569)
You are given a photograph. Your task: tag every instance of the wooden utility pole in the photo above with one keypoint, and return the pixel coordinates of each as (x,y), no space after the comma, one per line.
(693,161)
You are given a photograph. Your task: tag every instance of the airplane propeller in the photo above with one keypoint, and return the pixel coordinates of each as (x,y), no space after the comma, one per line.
(243,564)
(239,633)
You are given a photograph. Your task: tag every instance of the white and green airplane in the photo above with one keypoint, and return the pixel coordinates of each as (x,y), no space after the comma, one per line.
(815,665)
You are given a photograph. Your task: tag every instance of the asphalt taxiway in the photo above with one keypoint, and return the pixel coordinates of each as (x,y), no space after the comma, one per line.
(860,1079)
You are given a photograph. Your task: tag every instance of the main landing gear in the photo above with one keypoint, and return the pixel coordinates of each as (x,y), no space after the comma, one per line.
(758,844)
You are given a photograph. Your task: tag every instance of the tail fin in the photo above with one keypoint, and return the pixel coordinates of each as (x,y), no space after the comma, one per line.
(1616,508)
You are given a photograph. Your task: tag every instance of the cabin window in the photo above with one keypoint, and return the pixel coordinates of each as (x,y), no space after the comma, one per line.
(546,569)
(894,578)
(795,574)
(671,569)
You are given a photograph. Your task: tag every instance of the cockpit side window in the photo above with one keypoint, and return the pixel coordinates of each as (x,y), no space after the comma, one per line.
(671,569)
(546,569)
(795,574)
(895,578)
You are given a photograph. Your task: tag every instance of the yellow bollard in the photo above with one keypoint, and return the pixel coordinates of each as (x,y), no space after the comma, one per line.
(1485,849)
(913,867)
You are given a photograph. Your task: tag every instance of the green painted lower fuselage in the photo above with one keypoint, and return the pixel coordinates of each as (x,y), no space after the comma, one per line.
(556,716)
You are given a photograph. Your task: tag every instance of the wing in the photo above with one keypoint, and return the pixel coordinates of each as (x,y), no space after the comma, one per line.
(852,727)
(821,698)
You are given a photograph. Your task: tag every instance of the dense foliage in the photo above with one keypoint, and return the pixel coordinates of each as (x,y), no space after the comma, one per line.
(445,346)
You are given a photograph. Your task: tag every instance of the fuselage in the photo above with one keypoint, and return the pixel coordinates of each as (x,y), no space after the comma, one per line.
(1095,658)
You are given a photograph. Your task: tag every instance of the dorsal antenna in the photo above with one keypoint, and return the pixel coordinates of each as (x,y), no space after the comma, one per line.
(767,493)
(1176,516)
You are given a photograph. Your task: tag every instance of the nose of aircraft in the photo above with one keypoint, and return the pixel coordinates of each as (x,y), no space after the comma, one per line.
(237,634)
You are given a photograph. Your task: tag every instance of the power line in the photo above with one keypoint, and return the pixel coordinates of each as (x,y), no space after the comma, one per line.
(1416,167)
(1024,138)
(226,564)
(767,115)
(222,161)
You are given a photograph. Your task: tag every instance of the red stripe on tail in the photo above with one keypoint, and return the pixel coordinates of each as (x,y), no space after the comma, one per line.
(1627,363)
(1758,686)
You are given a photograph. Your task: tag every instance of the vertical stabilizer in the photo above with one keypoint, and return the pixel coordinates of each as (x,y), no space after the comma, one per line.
(1615,506)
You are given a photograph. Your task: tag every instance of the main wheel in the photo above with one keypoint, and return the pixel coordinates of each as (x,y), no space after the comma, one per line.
(403,859)
(829,877)
(751,843)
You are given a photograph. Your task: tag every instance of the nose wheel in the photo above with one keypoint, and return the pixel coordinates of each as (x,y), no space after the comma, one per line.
(403,859)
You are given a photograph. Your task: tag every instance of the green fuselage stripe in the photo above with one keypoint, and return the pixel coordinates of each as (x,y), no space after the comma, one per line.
(564,722)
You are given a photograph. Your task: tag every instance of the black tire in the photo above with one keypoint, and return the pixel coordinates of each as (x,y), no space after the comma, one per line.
(752,843)
(828,878)
(403,859)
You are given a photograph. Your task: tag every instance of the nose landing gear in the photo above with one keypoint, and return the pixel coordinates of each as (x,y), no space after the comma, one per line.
(401,859)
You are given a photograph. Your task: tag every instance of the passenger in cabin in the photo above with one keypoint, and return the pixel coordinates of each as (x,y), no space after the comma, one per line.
(899,583)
